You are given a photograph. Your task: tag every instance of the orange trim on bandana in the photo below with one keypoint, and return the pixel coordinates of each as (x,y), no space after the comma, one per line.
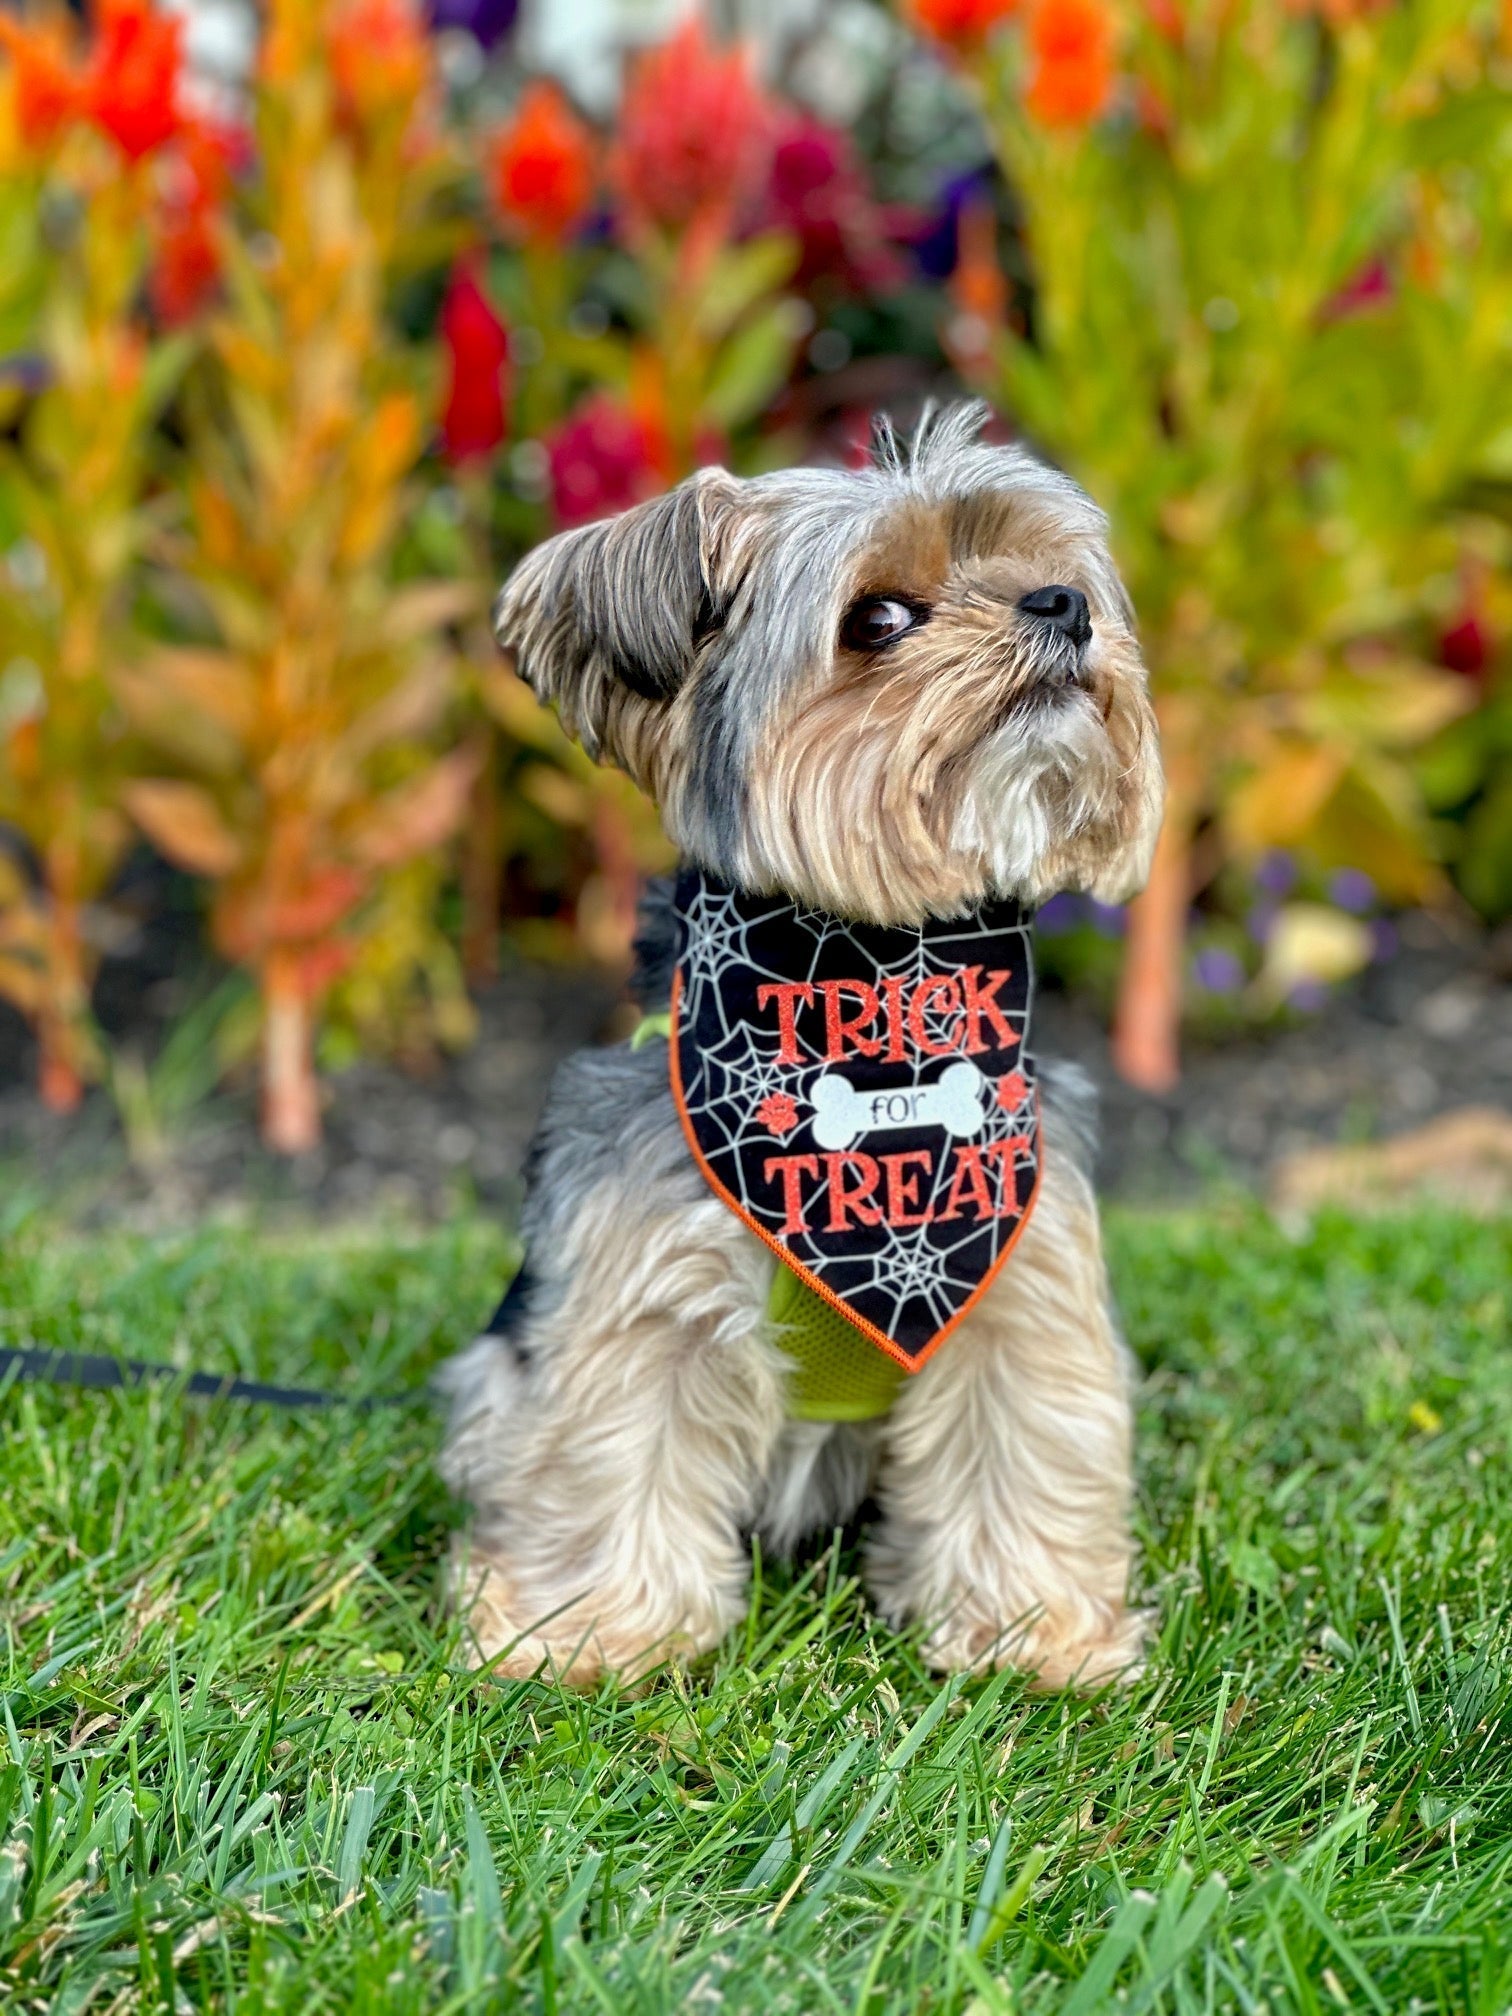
(806,1275)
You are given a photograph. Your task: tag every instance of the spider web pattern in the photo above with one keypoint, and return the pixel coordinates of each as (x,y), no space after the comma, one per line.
(904,1284)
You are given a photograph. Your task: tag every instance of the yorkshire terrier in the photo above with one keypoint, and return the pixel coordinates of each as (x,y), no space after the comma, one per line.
(822,1234)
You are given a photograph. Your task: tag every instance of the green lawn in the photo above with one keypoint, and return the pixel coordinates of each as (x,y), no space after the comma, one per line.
(238,1768)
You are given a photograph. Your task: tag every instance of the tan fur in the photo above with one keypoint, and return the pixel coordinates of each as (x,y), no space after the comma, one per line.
(610,1489)
(610,1486)
(859,806)
(616,1450)
(1005,1483)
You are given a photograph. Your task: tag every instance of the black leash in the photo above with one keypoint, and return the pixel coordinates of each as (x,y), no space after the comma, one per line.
(90,1369)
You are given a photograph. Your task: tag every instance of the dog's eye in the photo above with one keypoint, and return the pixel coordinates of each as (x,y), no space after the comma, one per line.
(877,620)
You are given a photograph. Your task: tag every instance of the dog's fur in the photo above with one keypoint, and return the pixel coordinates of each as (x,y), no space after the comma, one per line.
(623,1436)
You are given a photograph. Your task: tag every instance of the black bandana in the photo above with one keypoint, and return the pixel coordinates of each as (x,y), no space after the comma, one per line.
(861,1096)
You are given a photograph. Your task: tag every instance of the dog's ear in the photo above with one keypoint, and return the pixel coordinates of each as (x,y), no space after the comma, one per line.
(618,607)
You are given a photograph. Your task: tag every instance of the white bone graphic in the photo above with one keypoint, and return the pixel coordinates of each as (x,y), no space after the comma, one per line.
(954,1102)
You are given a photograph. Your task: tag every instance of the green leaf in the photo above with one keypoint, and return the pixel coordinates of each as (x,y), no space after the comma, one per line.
(752,365)
(740,276)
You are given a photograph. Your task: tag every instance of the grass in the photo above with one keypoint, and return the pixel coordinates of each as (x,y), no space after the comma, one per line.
(238,1768)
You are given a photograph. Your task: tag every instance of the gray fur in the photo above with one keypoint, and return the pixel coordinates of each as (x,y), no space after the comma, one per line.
(625,1421)
(746,580)
(655,945)
(821,1472)
(820,1477)
(1068,1106)
(598,1100)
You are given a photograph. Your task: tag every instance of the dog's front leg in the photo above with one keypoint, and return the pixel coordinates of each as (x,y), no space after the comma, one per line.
(1006,1478)
(612,1463)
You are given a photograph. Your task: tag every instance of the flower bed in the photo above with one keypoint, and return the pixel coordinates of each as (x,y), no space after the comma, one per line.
(287,379)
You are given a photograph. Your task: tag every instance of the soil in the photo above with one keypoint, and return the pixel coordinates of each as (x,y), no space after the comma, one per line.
(1424,1034)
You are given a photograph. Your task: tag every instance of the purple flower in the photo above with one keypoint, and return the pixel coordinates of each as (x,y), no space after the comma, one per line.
(489,21)
(1218,971)
(1107,919)
(27,372)
(1308,996)
(1277,873)
(1261,921)
(1353,890)
(937,246)
(1385,940)
(1061,913)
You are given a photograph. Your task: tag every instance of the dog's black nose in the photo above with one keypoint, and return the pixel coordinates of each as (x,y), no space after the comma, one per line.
(1062,607)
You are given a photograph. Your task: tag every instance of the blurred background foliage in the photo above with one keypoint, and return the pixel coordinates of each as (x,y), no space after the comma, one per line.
(312,320)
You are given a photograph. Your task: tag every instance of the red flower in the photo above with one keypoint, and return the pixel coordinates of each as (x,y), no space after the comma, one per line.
(1371,287)
(186,266)
(541,166)
(693,127)
(46,90)
(602,459)
(960,23)
(1465,647)
(187,263)
(1071,42)
(1011,1090)
(477,348)
(778,1113)
(379,56)
(131,90)
(816,191)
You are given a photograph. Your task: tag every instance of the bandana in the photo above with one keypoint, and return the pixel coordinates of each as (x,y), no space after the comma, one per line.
(861,1097)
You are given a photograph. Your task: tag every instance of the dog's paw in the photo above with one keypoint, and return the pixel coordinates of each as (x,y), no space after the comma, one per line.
(1054,1655)
(496,1640)
(577,1645)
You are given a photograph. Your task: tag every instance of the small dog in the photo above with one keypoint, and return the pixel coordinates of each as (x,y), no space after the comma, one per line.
(866,702)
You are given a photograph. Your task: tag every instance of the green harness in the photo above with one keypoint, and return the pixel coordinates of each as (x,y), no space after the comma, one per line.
(837,1374)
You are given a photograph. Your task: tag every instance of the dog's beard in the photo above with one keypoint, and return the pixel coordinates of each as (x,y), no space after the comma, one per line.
(1042,786)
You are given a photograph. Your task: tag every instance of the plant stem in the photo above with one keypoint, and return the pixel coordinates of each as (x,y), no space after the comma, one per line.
(290,1095)
(60,1078)
(1147,1019)
(482,870)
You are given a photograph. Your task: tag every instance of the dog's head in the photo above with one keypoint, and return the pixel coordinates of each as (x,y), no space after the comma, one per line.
(889,693)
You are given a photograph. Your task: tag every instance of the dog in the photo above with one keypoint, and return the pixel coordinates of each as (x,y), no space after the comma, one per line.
(866,702)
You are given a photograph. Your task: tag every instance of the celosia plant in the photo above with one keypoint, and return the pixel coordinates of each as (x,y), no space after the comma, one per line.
(303,727)
(1270,332)
(89,136)
(707,334)
(716,333)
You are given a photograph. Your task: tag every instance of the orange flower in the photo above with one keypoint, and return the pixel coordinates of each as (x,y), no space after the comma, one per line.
(132,87)
(541,167)
(1167,18)
(693,130)
(379,57)
(1338,12)
(47,92)
(1071,43)
(959,23)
